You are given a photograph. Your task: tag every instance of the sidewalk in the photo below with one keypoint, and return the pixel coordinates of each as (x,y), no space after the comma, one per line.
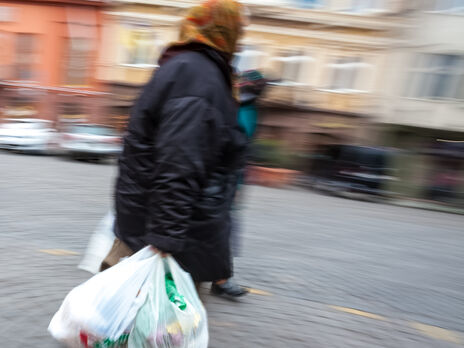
(399,201)
(427,205)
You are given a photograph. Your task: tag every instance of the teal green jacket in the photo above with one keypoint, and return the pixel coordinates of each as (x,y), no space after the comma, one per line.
(247,119)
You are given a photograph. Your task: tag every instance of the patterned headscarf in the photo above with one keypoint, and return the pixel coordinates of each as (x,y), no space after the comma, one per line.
(251,85)
(215,23)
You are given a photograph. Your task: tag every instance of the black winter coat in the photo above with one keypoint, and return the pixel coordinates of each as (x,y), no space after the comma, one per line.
(178,171)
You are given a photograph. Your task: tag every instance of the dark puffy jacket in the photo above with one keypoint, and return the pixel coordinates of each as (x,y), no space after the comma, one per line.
(178,170)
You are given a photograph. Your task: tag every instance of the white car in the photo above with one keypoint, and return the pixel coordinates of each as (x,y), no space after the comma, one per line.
(27,135)
(90,141)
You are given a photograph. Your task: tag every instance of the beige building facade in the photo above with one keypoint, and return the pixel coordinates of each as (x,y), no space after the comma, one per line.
(369,72)
(426,78)
(326,61)
(423,105)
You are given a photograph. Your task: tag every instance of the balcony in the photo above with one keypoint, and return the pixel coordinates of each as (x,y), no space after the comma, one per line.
(443,114)
(126,73)
(303,96)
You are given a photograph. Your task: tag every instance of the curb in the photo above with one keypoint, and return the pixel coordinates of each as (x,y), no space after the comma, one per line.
(427,206)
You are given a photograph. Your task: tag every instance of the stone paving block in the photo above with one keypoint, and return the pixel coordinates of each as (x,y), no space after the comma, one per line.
(308,251)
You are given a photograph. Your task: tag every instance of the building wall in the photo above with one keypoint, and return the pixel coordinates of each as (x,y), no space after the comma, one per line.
(423,89)
(122,25)
(320,37)
(25,20)
(49,49)
(49,23)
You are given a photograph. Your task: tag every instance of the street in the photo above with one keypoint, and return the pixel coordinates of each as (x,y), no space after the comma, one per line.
(324,271)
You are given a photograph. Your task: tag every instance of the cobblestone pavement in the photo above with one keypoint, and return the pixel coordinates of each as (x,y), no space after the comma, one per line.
(327,272)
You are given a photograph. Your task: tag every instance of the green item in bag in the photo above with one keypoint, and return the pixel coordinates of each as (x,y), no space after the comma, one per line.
(107,343)
(173,294)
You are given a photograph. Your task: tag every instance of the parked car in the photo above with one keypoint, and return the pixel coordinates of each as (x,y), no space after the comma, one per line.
(349,168)
(90,141)
(28,135)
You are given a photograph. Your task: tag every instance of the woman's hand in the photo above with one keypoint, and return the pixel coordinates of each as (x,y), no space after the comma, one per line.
(157,251)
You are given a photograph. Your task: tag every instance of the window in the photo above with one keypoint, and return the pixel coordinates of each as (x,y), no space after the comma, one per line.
(248,59)
(26,49)
(22,106)
(78,61)
(437,76)
(448,6)
(7,14)
(345,74)
(367,5)
(93,130)
(291,70)
(141,46)
(5,72)
(310,3)
(72,109)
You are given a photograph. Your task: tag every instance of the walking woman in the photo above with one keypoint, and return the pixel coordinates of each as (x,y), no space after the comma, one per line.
(183,148)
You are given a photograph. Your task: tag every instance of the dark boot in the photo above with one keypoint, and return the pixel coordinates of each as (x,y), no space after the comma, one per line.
(229,289)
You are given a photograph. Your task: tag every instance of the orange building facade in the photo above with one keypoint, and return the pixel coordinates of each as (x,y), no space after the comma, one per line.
(48,60)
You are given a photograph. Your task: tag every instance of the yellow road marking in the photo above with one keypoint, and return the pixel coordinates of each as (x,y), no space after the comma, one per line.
(437,332)
(58,252)
(358,312)
(259,292)
(428,330)
(223,324)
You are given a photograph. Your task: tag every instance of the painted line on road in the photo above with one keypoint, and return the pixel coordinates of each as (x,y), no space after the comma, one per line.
(427,330)
(59,252)
(223,324)
(358,312)
(258,292)
(437,332)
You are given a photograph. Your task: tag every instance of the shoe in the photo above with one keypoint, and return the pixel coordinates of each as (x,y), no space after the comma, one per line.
(228,289)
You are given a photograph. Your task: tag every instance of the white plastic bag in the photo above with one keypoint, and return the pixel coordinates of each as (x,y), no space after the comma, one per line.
(104,307)
(175,321)
(99,245)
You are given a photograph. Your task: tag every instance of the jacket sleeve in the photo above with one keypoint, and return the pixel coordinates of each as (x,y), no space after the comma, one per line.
(183,146)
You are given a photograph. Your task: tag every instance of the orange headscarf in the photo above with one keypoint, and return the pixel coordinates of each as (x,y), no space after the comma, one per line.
(215,23)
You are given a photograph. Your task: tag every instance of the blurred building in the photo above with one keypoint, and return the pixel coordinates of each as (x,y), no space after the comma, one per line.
(423,105)
(371,72)
(327,60)
(134,34)
(48,59)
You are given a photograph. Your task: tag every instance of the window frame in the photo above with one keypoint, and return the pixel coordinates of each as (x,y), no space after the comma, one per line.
(341,63)
(456,10)
(86,54)
(426,76)
(258,54)
(297,56)
(367,7)
(31,52)
(156,46)
(314,5)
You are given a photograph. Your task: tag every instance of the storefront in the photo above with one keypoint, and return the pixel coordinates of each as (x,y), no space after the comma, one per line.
(428,159)
(122,98)
(302,129)
(60,105)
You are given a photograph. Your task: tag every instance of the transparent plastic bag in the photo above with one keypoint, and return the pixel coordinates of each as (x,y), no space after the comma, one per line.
(101,311)
(99,245)
(172,315)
